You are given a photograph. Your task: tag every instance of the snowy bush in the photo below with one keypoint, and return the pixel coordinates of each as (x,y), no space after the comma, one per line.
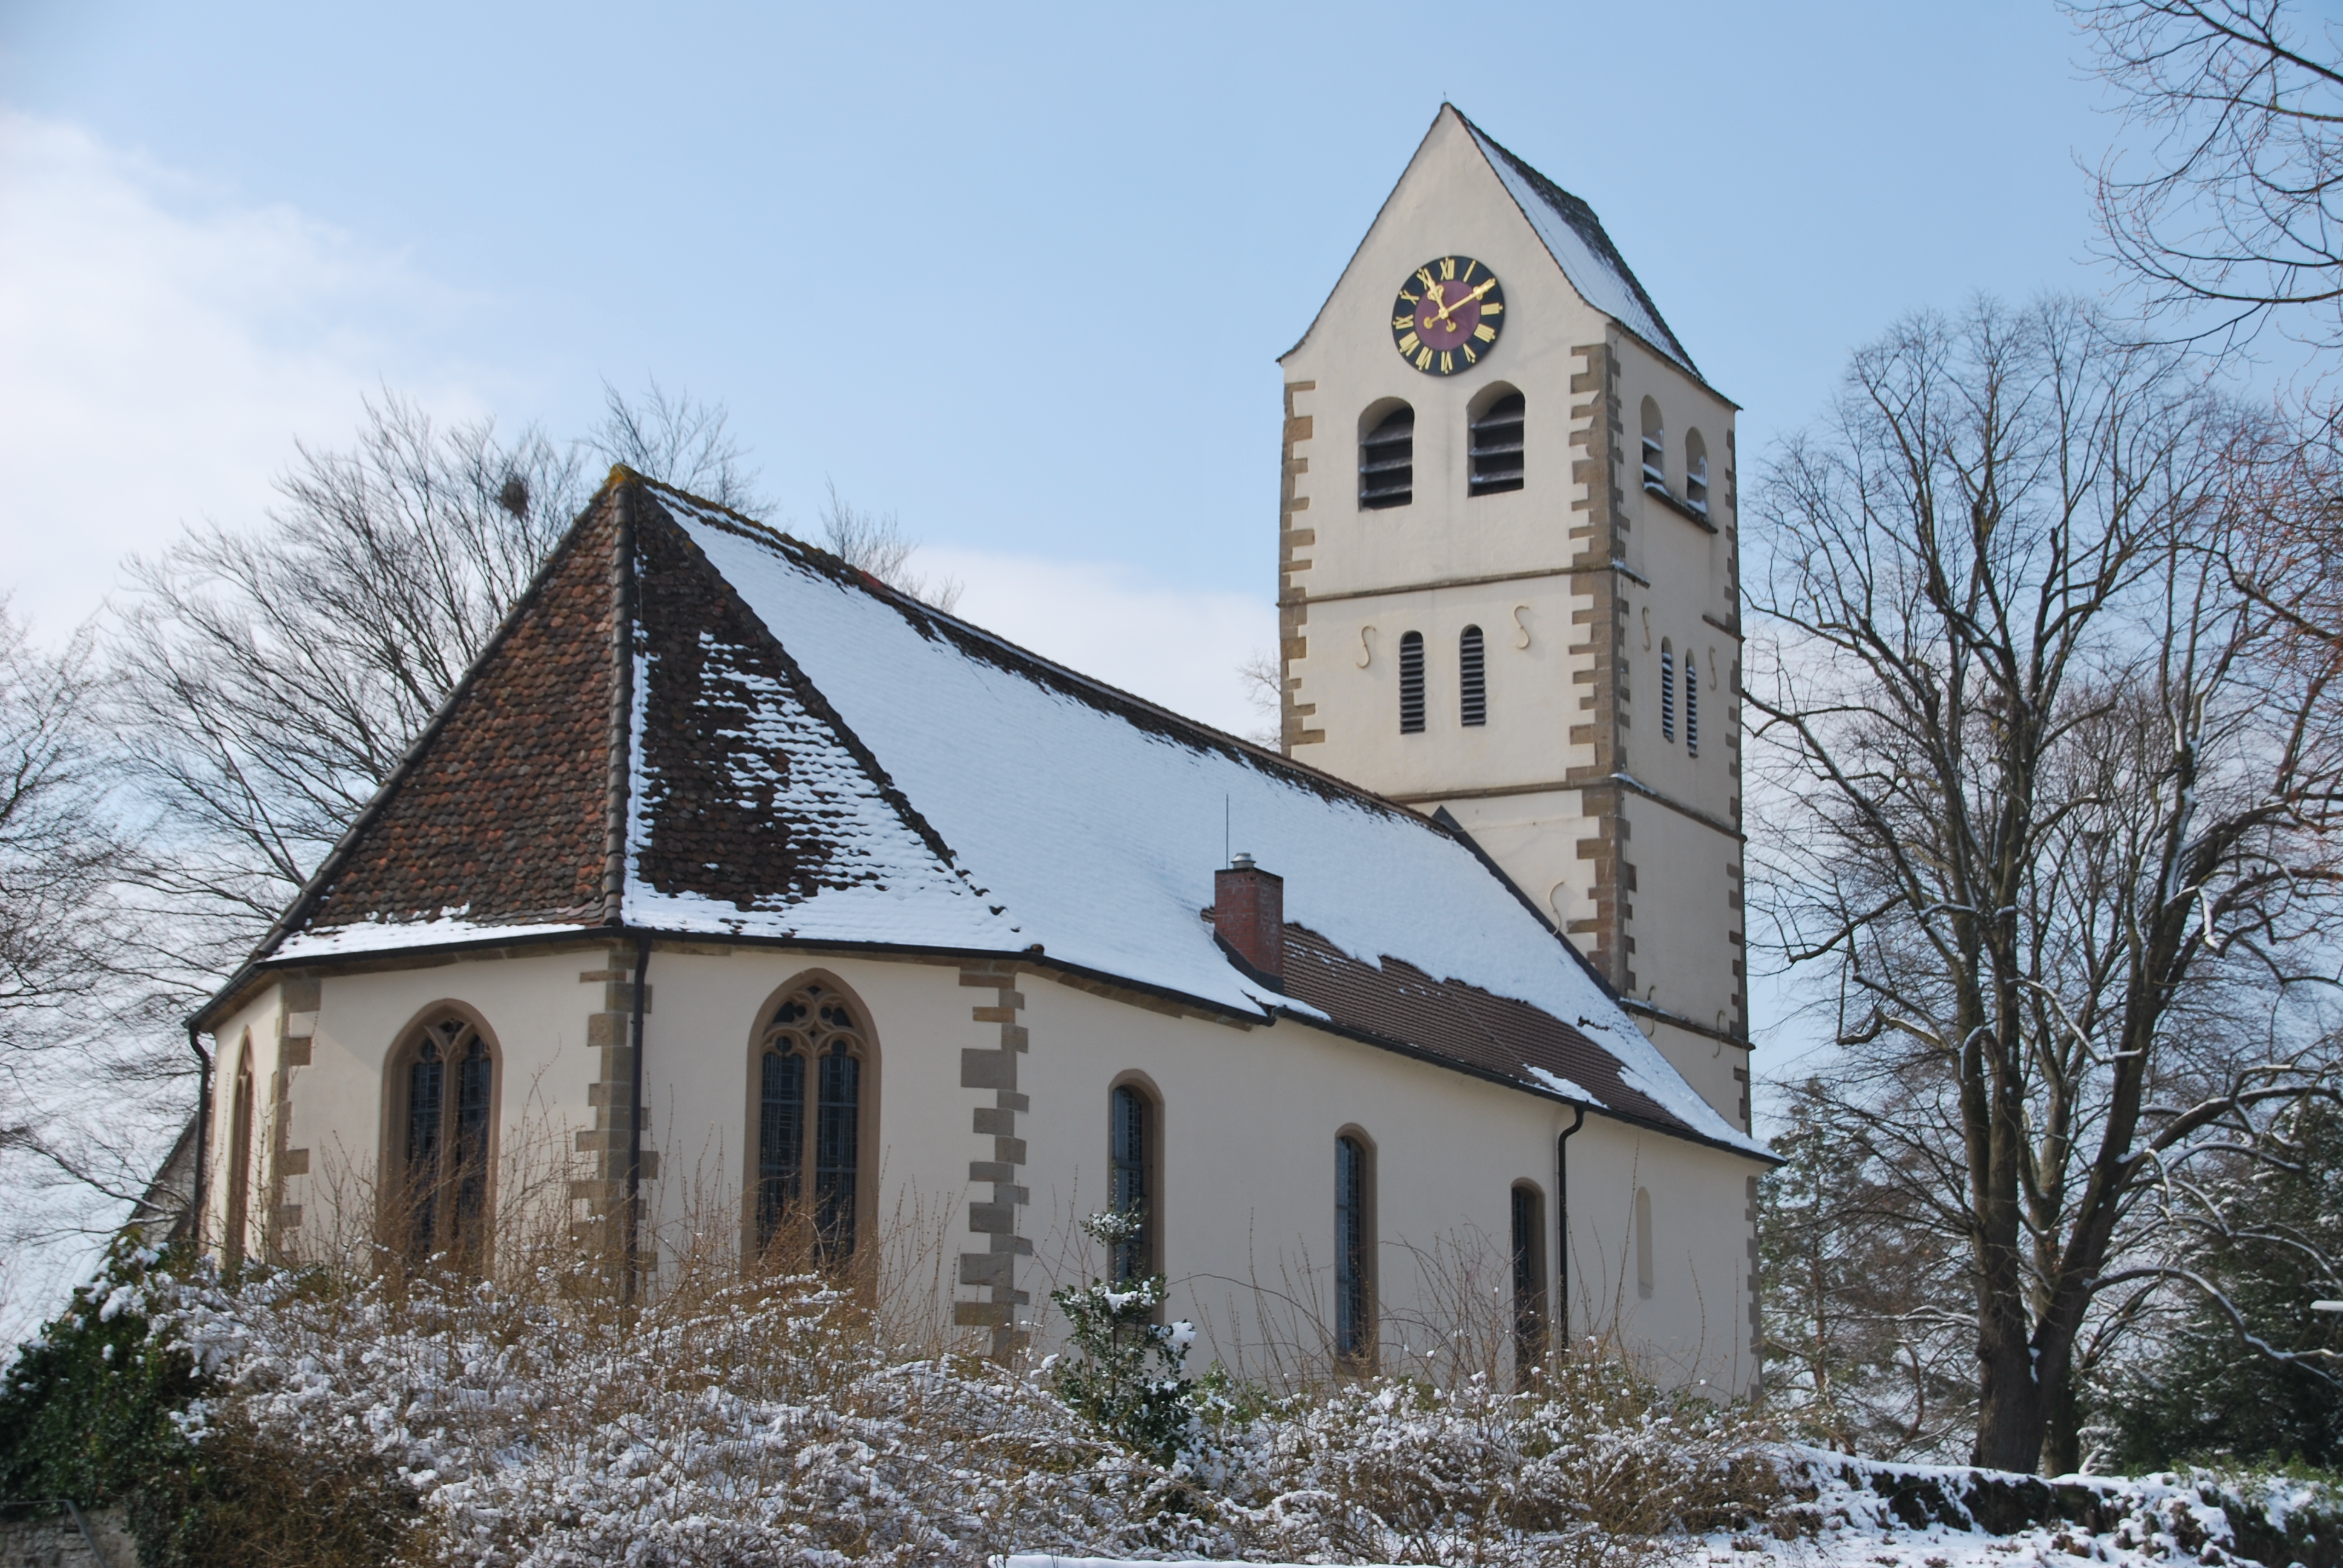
(759,1417)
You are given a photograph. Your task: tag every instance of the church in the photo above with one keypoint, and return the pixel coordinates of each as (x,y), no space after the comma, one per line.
(728,876)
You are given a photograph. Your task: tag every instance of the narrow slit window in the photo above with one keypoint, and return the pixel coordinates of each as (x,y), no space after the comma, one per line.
(1656,448)
(1667,689)
(1529,1280)
(1129,1140)
(239,1154)
(1496,447)
(1643,1242)
(1692,705)
(1387,461)
(1354,1304)
(1411,683)
(1472,678)
(1696,473)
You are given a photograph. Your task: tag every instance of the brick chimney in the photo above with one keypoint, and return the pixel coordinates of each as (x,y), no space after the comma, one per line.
(1249,916)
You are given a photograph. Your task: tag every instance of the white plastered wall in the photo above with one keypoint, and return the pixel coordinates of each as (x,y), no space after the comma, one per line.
(1249,1117)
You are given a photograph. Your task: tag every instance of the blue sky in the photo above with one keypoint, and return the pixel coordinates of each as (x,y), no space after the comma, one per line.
(979,265)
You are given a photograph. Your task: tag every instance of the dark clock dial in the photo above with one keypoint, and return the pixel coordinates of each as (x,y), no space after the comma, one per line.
(1448,314)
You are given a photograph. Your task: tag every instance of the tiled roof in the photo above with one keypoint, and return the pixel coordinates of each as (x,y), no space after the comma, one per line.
(1397,1004)
(791,751)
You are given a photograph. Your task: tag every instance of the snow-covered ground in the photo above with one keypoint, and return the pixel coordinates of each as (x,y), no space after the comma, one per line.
(1863,1514)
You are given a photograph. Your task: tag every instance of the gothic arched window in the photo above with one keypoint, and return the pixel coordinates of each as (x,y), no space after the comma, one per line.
(1667,689)
(1387,460)
(1355,1249)
(1411,683)
(1471,675)
(1656,448)
(813,1049)
(1696,472)
(448,1086)
(1131,1178)
(1496,443)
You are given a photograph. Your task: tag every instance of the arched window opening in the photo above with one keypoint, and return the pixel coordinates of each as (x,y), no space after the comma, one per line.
(1353,1250)
(1472,684)
(1497,445)
(1656,448)
(1130,1136)
(239,1155)
(450,1084)
(1667,689)
(1529,1279)
(1691,704)
(1643,1242)
(1696,473)
(813,1040)
(1387,461)
(1411,683)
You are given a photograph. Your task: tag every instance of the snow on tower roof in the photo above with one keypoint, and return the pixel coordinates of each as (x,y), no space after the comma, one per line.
(1575,236)
(788,750)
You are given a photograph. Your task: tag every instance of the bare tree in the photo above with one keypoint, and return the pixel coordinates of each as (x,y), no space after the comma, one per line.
(1262,680)
(268,679)
(680,442)
(58,851)
(875,542)
(2237,207)
(85,1080)
(2052,813)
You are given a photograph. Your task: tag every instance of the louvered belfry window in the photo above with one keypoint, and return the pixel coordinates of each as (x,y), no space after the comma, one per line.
(1667,689)
(1692,705)
(813,1042)
(450,1095)
(1473,705)
(1497,446)
(1387,461)
(1411,683)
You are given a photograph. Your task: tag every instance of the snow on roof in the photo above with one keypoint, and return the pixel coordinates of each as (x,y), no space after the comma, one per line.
(1576,238)
(1093,822)
(812,756)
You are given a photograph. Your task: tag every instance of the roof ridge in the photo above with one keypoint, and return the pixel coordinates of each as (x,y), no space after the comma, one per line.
(968,631)
(808,694)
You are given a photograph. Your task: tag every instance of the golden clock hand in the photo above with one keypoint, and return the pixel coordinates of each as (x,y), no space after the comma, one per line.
(1471,298)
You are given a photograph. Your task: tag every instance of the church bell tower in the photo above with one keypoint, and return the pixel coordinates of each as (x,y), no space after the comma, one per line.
(1509,579)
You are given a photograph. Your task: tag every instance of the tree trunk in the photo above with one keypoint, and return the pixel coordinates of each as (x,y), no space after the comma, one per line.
(2011,1409)
(2062,1448)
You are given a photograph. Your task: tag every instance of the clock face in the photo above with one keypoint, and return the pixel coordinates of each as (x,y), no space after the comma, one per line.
(1448,314)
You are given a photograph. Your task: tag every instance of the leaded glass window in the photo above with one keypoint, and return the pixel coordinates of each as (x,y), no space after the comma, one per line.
(1128,1143)
(451,1085)
(814,1042)
(1353,1324)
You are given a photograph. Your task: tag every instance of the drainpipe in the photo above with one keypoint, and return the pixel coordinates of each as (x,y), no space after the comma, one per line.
(1561,1207)
(634,1116)
(203,1135)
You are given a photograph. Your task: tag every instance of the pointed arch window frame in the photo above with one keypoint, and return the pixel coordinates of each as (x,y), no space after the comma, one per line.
(449,1213)
(769,1199)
